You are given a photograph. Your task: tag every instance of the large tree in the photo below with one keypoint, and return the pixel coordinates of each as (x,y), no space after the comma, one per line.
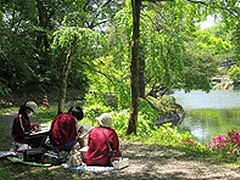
(157,60)
(27,30)
(200,7)
(134,67)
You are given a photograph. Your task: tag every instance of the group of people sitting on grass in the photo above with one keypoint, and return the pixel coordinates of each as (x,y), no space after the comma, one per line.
(64,134)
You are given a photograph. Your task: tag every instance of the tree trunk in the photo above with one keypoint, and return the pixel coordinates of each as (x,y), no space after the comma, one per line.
(43,17)
(141,74)
(134,68)
(66,68)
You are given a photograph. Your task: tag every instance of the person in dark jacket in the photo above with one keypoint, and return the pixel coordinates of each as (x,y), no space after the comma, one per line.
(22,126)
(98,150)
(64,132)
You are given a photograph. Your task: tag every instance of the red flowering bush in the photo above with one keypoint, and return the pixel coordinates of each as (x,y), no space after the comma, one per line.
(229,144)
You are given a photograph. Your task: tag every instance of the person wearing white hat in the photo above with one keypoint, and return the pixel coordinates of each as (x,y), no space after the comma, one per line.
(100,138)
(22,126)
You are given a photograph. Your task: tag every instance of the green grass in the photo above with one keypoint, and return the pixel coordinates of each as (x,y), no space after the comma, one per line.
(7,110)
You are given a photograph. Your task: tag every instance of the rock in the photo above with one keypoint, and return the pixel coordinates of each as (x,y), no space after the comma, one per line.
(175,117)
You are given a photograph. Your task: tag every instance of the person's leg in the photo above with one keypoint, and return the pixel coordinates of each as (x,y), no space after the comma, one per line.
(81,142)
(70,145)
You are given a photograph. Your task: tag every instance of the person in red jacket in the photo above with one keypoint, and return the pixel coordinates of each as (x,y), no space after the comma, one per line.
(22,127)
(64,133)
(98,150)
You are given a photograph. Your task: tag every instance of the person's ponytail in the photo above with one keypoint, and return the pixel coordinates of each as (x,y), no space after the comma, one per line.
(77,112)
(22,108)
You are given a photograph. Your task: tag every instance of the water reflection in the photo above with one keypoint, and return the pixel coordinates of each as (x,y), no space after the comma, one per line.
(209,115)
(214,99)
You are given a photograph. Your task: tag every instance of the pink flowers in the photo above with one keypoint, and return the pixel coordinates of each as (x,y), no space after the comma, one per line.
(229,144)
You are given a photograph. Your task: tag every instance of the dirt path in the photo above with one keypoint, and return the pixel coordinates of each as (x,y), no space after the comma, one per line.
(153,162)
(5,128)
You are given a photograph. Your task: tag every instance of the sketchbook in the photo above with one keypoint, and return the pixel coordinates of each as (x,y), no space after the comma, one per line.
(86,130)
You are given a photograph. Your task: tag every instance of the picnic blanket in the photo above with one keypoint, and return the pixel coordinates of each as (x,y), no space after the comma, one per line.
(6,154)
(20,160)
(93,169)
(84,167)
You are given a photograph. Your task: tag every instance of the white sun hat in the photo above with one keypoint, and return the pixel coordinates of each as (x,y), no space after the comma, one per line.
(105,120)
(32,105)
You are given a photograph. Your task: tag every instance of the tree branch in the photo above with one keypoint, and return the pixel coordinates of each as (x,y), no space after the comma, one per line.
(223,8)
(91,68)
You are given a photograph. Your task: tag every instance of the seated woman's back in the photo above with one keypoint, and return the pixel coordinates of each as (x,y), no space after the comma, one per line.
(98,151)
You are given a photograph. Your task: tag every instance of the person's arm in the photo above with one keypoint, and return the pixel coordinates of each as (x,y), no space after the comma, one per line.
(35,127)
(115,145)
(82,133)
(25,127)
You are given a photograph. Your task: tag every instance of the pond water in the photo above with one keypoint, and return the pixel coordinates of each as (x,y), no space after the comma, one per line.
(213,112)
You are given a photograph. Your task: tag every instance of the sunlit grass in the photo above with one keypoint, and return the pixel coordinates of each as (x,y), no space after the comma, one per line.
(209,114)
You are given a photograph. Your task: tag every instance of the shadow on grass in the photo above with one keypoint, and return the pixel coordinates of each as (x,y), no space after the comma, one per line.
(143,161)
(185,153)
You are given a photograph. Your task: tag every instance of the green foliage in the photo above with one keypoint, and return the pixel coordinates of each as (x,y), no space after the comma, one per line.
(4,90)
(161,47)
(26,41)
(34,43)
(168,103)
(207,41)
(163,104)
(204,51)
(27,60)
(147,116)
(45,115)
(120,122)
(83,36)
(145,125)
(234,74)
(147,131)
(20,55)
(169,136)
(109,77)
(147,111)
(7,108)
(94,107)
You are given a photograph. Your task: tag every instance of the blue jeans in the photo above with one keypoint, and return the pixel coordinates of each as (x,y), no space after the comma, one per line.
(71,144)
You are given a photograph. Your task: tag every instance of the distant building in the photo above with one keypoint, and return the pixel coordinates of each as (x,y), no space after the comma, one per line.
(228,63)
(216,80)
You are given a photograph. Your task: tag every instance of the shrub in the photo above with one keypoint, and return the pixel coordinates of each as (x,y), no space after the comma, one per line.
(229,144)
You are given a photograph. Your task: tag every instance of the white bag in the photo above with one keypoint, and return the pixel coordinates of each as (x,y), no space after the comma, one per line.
(75,160)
